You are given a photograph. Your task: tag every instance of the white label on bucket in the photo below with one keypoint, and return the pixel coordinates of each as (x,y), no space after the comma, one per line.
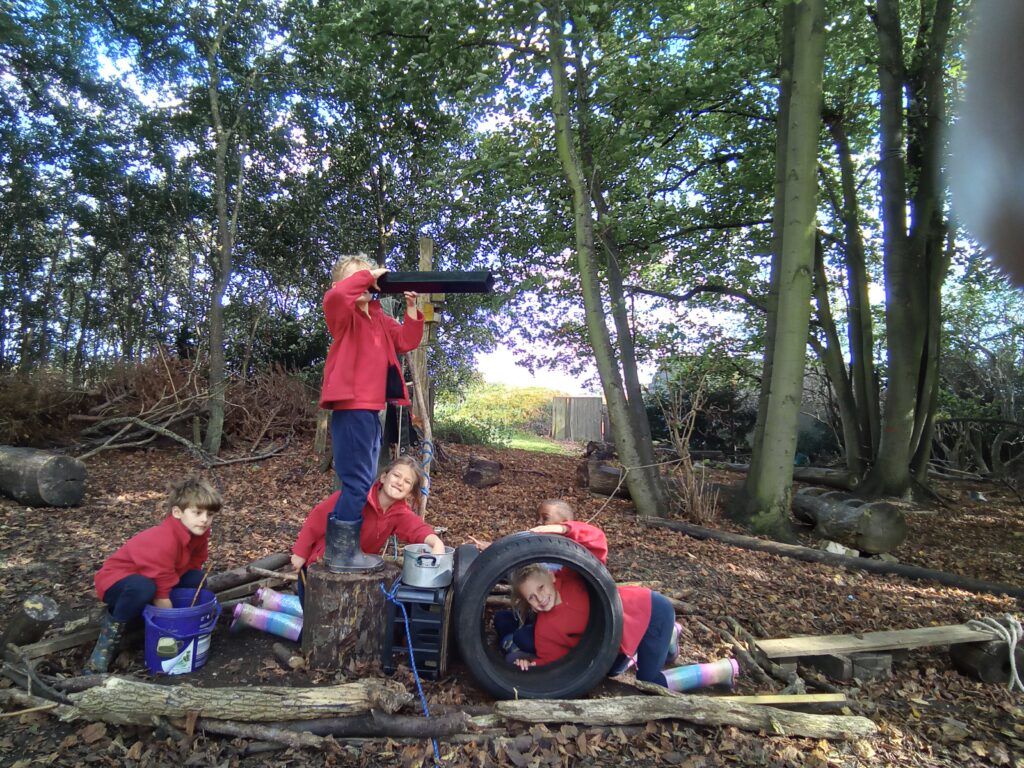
(202,646)
(180,664)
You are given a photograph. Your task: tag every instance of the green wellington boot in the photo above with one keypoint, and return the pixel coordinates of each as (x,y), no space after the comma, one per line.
(342,552)
(106,644)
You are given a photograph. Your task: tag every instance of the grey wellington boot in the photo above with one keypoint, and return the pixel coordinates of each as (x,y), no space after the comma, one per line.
(106,644)
(342,552)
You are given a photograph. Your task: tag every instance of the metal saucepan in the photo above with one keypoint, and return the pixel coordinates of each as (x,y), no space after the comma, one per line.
(422,568)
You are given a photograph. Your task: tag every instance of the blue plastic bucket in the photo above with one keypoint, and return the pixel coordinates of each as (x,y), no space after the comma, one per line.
(178,638)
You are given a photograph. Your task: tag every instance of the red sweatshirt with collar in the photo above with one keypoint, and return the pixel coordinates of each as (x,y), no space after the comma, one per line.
(559,630)
(162,553)
(378,524)
(355,374)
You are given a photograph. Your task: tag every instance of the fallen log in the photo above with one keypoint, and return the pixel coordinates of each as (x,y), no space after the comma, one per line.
(31,619)
(833,478)
(241,575)
(482,473)
(827,558)
(274,733)
(382,724)
(40,478)
(873,527)
(127,702)
(702,710)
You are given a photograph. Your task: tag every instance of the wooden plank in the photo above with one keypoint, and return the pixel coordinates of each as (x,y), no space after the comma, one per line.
(784,699)
(872,641)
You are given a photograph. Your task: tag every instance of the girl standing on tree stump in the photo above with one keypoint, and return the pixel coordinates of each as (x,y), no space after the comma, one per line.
(362,374)
(386,511)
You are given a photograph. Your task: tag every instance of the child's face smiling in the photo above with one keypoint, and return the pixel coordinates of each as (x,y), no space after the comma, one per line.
(197,521)
(397,482)
(538,590)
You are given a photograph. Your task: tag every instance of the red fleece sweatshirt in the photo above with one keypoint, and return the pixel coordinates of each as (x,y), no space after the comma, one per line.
(355,374)
(559,630)
(377,526)
(161,553)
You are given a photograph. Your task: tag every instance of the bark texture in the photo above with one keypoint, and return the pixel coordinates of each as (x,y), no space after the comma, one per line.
(873,527)
(345,615)
(129,702)
(40,478)
(703,710)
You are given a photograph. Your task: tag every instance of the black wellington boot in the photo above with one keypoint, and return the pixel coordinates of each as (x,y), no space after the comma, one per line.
(106,644)
(342,553)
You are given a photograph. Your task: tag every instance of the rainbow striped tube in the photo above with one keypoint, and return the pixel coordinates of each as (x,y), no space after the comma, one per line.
(274,622)
(273,600)
(693,676)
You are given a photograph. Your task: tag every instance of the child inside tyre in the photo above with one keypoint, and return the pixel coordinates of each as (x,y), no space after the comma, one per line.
(515,627)
(650,634)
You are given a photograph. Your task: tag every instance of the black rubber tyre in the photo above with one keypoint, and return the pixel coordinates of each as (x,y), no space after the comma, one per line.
(571,676)
(465,556)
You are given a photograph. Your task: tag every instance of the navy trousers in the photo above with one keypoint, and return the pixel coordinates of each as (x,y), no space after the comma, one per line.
(355,442)
(650,654)
(126,598)
(507,622)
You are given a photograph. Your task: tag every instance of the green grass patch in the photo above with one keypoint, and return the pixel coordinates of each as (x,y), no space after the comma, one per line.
(525,441)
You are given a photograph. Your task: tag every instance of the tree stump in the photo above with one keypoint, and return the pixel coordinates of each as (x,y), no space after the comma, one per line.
(482,473)
(602,478)
(345,615)
(872,527)
(40,478)
(598,450)
(31,619)
(988,662)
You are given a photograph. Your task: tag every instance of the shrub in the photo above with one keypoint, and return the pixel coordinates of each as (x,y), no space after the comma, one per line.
(525,408)
(35,409)
(454,429)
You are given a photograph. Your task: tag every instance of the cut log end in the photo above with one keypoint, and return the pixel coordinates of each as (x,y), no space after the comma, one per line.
(40,478)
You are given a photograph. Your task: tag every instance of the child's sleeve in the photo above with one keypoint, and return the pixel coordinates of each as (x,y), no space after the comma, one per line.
(589,536)
(412,528)
(315,527)
(340,300)
(408,334)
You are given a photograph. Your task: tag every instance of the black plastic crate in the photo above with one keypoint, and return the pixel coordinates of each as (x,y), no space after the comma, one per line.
(428,611)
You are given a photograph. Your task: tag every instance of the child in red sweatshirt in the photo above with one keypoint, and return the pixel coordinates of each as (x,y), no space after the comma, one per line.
(152,563)
(562,605)
(361,363)
(386,511)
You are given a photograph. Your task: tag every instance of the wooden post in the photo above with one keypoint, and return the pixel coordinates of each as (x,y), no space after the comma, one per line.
(421,380)
(345,616)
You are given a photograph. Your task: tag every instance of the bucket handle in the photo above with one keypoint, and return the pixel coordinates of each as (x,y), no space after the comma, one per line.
(175,633)
(431,558)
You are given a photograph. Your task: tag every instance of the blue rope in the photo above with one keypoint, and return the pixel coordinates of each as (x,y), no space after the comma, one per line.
(427,457)
(412,658)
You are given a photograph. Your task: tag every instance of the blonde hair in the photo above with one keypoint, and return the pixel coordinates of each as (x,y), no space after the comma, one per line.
(342,264)
(519,575)
(194,492)
(419,478)
(565,510)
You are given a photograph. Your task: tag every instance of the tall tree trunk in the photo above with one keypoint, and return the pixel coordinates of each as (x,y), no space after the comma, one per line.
(778,218)
(914,268)
(616,295)
(645,495)
(859,324)
(769,488)
(831,355)
(227,224)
